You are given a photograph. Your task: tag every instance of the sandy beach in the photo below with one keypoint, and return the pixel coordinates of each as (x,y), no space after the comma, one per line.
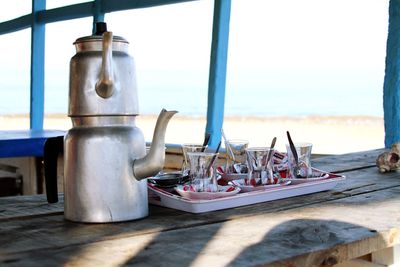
(329,134)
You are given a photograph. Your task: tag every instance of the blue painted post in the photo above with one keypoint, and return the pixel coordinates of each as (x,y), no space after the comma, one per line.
(391,87)
(37,66)
(217,76)
(98,14)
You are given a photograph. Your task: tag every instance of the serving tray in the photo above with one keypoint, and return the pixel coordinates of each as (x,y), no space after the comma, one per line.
(160,197)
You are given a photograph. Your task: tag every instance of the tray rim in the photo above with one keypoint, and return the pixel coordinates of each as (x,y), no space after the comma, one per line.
(169,200)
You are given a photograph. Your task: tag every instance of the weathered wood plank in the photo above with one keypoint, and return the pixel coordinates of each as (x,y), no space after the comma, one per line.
(388,256)
(347,162)
(360,181)
(324,233)
(26,206)
(52,230)
(29,232)
(358,263)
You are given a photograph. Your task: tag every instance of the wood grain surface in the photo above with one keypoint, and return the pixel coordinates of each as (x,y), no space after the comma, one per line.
(357,217)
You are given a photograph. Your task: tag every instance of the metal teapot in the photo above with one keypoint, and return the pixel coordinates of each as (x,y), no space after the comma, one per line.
(105,159)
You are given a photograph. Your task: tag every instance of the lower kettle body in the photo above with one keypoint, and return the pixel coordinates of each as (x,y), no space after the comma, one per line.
(99,184)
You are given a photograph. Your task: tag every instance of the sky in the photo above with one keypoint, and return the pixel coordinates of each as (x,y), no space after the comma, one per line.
(315,47)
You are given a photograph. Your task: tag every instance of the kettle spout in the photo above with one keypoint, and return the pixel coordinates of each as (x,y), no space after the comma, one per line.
(153,162)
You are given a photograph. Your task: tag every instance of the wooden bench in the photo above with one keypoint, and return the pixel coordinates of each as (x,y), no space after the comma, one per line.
(25,143)
(29,144)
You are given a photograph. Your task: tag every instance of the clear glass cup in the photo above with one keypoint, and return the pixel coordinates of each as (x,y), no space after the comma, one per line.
(301,169)
(236,156)
(190,148)
(260,167)
(202,171)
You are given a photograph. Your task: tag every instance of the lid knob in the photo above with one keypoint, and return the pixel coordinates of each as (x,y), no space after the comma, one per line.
(101,27)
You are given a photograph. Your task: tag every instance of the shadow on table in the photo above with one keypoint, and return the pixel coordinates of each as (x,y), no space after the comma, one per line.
(137,244)
(317,239)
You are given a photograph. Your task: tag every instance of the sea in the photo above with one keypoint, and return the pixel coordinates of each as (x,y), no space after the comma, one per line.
(189,97)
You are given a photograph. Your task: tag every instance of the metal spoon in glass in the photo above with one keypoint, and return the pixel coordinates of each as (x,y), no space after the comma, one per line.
(269,156)
(296,169)
(228,147)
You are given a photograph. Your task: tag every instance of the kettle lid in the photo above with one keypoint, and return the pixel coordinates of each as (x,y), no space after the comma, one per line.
(94,42)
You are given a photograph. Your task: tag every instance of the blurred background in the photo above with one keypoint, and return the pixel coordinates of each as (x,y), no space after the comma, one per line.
(312,67)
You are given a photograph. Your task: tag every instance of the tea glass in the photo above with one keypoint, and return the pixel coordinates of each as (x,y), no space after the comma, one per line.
(236,156)
(260,167)
(202,171)
(190,148)
(301,169)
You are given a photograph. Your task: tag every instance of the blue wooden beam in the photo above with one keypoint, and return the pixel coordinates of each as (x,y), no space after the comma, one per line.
(66,13)
(37,67)
(111,5)
(218,64)
(48,16)
(17,24)
(391,87)
(81,10)
(98,14)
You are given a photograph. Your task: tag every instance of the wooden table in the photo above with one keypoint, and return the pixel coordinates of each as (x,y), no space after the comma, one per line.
(359,217)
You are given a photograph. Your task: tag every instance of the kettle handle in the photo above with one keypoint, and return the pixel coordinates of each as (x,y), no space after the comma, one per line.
(105,87)
(52,148)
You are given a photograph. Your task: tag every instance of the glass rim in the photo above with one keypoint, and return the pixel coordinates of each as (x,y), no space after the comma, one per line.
(301,144)
(192,145)
(259,148)
(202,153)
(238,141)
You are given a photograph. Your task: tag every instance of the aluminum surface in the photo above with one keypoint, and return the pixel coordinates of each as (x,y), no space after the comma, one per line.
(105,153)
(89,66)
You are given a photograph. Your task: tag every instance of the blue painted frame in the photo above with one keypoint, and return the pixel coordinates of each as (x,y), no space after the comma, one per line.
(40,16)
(217,76)
(391,87)
(98,14)
(37,66)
